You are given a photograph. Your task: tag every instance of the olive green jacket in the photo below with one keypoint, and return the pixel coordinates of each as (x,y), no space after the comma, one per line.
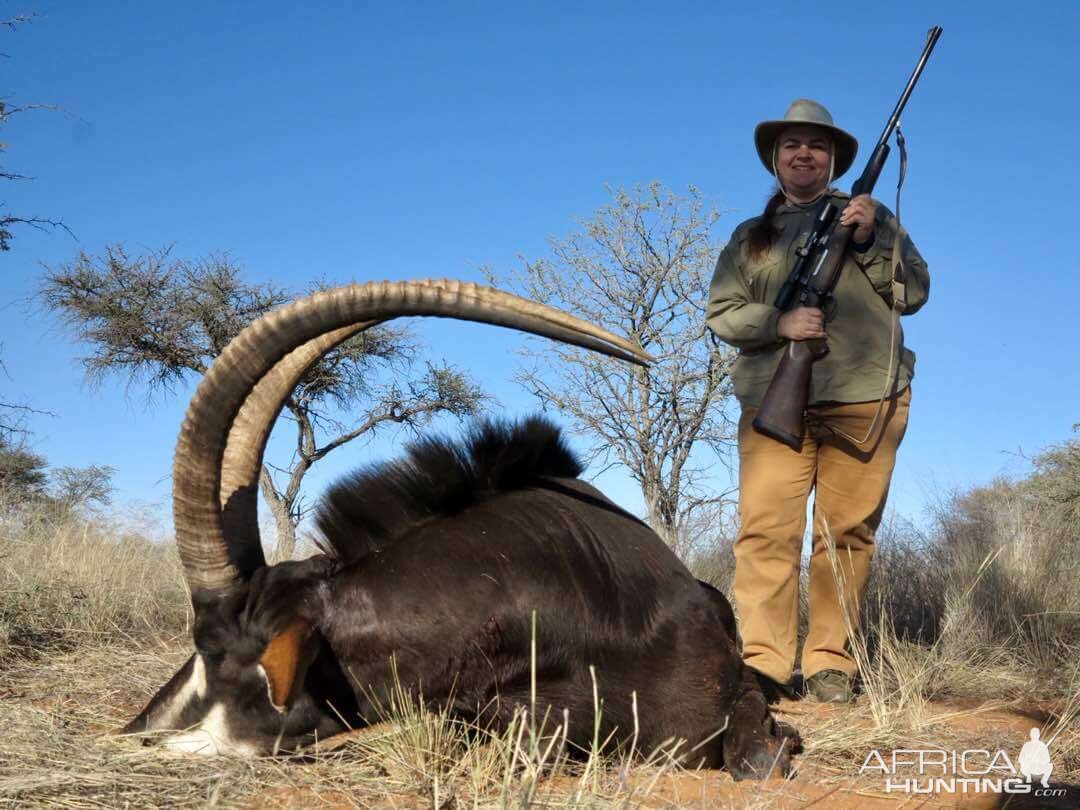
(858,320)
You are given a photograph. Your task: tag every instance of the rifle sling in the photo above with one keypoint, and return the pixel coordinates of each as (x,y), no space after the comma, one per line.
(899,303)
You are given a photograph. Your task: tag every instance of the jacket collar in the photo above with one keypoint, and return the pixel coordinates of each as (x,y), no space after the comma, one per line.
(833,193)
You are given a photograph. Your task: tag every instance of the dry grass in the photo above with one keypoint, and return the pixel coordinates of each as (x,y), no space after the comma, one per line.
(56,751)
(67,582)
(915,691)
(967,638)
(985,599)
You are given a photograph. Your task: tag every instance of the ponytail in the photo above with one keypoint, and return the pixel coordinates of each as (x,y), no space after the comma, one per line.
(760,237)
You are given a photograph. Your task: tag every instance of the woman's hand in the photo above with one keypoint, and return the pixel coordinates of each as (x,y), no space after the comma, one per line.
(860,213)
(801,323)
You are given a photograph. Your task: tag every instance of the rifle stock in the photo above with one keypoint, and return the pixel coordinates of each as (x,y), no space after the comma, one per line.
(780,415)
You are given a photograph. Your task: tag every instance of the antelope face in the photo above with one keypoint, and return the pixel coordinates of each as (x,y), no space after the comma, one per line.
(262,682)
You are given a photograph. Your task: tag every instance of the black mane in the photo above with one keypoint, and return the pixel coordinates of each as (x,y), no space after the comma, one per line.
(369,509)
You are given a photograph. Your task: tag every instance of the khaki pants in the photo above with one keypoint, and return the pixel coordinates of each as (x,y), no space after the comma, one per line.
(850,484)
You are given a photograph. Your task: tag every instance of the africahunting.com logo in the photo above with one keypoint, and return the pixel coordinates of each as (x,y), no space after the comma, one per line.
(973,771)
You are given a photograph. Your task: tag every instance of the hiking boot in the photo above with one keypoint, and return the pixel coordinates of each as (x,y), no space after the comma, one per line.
(830,686)
(774,691)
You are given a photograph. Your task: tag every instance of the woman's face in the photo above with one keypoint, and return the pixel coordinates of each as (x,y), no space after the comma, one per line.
(802,161)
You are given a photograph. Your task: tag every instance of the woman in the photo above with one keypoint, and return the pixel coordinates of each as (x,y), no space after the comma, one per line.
(857,411)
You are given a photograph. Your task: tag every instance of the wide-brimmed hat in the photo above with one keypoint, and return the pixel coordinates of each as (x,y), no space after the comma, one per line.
(804,112)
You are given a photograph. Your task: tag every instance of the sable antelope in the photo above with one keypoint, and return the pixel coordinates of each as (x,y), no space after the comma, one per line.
(437,563)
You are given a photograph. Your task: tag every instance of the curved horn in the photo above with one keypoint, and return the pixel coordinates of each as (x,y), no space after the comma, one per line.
(242,458)
(214,567)
(241,462)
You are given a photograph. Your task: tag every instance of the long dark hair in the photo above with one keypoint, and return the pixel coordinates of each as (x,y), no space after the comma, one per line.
(760,237)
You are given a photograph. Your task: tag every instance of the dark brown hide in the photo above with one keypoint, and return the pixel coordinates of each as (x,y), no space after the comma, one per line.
(446,557)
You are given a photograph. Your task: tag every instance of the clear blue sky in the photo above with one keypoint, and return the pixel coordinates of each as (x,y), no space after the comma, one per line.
(353,141)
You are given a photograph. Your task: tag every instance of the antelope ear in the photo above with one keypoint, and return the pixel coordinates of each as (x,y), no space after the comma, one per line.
(281,661)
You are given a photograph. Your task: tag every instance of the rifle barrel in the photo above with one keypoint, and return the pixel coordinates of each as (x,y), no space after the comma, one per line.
(931,41)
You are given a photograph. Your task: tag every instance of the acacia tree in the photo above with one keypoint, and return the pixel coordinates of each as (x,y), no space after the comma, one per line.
(641,267)
(1056,478)
(79,487)
(22,472)
(160,320)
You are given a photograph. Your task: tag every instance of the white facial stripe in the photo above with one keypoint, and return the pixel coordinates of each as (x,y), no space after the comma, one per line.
(270,690)
(198,677)
(194,687)
(210,738)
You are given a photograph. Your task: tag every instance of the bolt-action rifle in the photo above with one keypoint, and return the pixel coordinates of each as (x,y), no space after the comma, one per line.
(811,283)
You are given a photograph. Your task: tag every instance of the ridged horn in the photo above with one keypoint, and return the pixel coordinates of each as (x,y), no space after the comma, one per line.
(241,462)
(214,567)
(242,459)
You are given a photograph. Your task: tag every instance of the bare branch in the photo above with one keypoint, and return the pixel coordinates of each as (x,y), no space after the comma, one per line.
(7,111)
(13,416)
(640,266)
